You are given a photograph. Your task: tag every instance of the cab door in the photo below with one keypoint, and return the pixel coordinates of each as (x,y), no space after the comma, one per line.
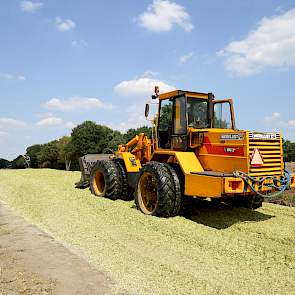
(172,124)
(179,135)
(223,114)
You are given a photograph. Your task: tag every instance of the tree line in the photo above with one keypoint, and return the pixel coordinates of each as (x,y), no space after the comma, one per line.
(63,153)
(289,151)
(89,138)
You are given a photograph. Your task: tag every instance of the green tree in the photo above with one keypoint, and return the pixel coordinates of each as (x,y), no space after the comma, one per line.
(90,138)
(33,151)
(18,163)
(63,155)
(114,139)
(48,155)
(4,163)
(133,132)
(289,150)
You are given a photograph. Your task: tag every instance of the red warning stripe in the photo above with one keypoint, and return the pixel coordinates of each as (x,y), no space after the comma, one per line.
(225,150)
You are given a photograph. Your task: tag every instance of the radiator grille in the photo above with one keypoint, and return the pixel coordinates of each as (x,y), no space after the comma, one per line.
(269,146)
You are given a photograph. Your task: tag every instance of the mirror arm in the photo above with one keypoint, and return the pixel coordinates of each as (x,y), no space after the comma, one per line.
(210,107)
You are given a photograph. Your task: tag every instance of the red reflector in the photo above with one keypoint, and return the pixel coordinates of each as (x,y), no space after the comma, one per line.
(235,185)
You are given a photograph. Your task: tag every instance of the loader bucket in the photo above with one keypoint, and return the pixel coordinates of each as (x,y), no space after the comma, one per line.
(86,163)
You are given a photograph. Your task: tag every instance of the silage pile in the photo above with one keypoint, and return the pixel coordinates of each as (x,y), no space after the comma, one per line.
(219,250)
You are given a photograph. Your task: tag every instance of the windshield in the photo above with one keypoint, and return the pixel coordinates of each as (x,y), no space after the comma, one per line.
(197,110)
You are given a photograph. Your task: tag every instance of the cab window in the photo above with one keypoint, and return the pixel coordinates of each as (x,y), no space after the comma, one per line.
(197,111)
(180,116)
(166,111)
(165,123)
(222,116)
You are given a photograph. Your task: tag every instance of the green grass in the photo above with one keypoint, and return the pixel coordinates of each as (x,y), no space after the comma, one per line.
(218,251)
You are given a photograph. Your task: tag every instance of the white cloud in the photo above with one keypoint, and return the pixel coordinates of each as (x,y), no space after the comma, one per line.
(10,123)
(50,121)
(291,123)
(271,44)
(185,58)
(149,74)
(141,87)
(70,125)
(7,76)
(79,43)
(54,121)
(134,118)
(76,103)
(29,6)
(162,15)
(64,25)
(273,117)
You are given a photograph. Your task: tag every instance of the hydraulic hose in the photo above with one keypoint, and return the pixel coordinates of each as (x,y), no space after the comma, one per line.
(284,182)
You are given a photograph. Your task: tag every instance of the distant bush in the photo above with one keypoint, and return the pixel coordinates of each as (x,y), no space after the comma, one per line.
(86,138)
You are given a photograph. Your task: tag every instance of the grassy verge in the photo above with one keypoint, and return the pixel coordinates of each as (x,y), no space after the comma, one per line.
(219,250)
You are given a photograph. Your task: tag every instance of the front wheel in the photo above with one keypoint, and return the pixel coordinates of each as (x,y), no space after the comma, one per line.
(158,190)
(250,202)
(104,180)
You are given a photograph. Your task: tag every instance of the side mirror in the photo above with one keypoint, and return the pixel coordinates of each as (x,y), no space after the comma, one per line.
(147,110)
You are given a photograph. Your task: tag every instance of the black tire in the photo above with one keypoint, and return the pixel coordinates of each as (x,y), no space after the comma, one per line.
(257,202)
(186,202)
(105,180)
(178,191)
(249,202)
(156,190)
(126,192)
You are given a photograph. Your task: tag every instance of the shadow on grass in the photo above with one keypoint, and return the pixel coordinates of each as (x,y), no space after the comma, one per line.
(222,216)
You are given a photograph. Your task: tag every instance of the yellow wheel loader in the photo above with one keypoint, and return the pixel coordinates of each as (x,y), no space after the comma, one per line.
(196,151)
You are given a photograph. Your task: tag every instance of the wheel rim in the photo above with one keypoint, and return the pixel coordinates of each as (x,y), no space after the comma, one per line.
(147,193)
(98,183)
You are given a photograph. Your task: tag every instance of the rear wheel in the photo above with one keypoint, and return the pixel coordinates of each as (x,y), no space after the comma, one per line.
(158,190)
(104,180)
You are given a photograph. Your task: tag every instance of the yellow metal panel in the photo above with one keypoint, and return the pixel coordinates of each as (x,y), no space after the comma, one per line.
(131,163)
(168,94)
(225,164)
(187,93)
(203,186)
(264,169)
(164,152)
(271,173)
(188,162)
(196,94)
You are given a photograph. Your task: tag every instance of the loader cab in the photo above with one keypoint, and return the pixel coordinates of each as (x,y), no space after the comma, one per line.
(182,112)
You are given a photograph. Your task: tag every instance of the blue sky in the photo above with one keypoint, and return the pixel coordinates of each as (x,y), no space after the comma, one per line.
(63,62)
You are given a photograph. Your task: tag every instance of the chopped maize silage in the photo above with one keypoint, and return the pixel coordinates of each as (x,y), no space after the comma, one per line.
(218,251)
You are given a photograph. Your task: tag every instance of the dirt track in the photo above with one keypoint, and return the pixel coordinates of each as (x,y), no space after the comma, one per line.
(32,262)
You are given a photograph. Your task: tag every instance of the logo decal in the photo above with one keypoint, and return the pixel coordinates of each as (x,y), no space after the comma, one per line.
(232,136)
(133,162)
